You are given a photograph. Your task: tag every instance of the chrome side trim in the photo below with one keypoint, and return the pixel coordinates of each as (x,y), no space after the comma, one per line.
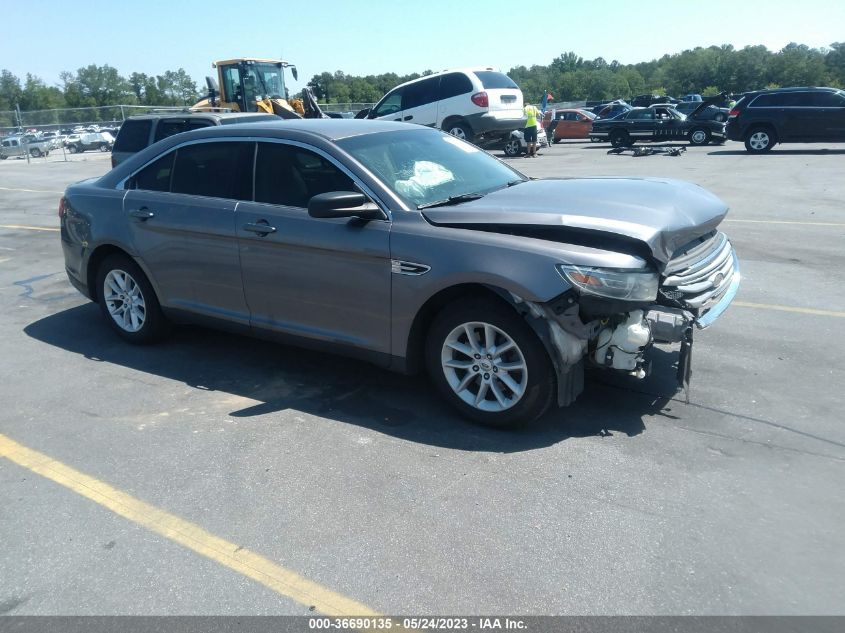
(399,267)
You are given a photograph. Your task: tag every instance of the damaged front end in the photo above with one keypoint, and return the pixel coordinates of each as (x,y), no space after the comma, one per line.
(610,317)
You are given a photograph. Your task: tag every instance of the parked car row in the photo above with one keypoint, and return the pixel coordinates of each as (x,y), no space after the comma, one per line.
(660,123)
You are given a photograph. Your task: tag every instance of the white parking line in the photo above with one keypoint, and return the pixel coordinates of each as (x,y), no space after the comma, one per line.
(29,190)
(28,228)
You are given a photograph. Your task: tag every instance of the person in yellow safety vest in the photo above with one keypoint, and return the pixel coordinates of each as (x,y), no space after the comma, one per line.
(530,131)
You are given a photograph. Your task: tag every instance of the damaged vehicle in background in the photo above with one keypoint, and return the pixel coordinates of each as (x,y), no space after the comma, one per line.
(406,247)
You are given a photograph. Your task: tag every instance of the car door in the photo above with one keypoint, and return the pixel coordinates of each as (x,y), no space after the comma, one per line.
(181,214)
(419,102)
(454,92)
(802,119)
(389,108)
(666,125)
(324,279)
(830,110)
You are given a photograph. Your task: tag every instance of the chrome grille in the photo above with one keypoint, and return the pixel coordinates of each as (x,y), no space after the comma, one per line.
(698,275)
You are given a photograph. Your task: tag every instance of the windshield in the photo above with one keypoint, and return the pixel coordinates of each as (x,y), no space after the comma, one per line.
(268,79)
(424,167)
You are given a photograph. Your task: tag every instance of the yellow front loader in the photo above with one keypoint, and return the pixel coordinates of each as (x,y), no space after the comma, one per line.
(246,84)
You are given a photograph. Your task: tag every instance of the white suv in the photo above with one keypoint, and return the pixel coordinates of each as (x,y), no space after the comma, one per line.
(469,103)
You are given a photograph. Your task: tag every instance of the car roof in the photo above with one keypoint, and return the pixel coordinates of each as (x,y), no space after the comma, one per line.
(330,129)
(791,89)
(304,130)
(468,69)
(181,114)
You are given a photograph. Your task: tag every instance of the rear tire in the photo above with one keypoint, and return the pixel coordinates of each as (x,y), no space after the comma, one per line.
(505,389)
(759,140)
(104,147)
(460,130)
(128,301)
(35,152)
(620,138)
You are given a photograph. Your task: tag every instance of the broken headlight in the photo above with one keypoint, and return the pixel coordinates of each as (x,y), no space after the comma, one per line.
(614,283)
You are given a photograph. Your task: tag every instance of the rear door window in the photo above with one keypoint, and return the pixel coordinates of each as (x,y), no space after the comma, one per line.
(215,170)
(133,136)
(454,84)
(828,100)
(493,80)
(155,176)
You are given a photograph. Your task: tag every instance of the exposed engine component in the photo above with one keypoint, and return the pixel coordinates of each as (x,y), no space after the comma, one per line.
(622,346)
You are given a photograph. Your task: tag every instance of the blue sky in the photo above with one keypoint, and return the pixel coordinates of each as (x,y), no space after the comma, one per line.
(376,36)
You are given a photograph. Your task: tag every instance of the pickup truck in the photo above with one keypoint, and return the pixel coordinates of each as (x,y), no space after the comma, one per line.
(20,145)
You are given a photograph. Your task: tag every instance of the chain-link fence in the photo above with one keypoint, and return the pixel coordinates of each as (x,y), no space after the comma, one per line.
(43,120)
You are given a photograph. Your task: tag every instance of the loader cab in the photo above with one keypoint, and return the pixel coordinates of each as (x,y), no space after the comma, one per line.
(246,83)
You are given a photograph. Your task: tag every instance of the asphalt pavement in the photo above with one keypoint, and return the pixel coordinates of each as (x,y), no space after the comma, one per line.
(365,484)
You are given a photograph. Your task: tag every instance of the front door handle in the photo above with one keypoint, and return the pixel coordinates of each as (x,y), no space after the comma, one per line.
(261,227)
(408,118)
(143,214)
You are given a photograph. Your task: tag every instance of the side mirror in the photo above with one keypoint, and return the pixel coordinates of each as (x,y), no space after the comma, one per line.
(363,114)
(343,204)
(295,73)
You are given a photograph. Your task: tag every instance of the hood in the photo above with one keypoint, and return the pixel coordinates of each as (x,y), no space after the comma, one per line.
(708,101)
(643,216)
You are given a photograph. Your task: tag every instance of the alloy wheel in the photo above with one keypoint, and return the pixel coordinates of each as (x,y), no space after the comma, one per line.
(759,140)
(124,300)
(484,366)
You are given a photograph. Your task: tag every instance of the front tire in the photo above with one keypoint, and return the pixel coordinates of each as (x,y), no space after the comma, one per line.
(35,152)
(128,301)
(513,148)
(699,136)
(759,140)
(487,362)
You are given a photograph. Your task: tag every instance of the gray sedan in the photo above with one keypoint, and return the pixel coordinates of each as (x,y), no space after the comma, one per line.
(405,247)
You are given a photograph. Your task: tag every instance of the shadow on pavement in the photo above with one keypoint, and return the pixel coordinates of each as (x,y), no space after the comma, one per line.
(780,152)
(288,378)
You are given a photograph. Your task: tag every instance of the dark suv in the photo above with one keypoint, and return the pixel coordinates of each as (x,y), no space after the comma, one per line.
(138,132)
(787,115)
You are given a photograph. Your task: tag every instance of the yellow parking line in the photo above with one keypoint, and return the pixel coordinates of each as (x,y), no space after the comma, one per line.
(283,581)
(786,222)
(768,306)
(30,190)
(27,228)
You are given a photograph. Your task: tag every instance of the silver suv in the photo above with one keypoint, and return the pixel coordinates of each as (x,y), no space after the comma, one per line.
(406,247)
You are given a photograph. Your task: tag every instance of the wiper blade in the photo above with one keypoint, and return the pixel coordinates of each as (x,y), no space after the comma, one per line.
(451,200)
(515,182)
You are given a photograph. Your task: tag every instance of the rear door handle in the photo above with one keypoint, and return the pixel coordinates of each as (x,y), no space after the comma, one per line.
(408,118)
(142,214)
(261,227)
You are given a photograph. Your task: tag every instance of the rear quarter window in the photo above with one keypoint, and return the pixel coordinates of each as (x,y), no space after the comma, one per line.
(493,80)
(133,136)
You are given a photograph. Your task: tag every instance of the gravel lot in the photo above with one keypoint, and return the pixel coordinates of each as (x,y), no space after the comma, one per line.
(628,502)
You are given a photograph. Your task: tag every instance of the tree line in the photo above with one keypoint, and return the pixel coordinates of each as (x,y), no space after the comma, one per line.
(96,85)
(568,77)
